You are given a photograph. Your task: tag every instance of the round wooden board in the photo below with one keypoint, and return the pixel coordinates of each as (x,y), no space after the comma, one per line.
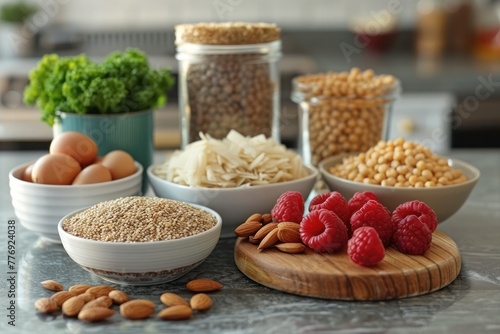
(335,276)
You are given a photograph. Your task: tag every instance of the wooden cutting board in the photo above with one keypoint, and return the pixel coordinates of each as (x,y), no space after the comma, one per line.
(335,276)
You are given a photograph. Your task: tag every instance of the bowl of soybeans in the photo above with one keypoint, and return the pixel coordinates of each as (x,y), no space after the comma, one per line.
(397,171)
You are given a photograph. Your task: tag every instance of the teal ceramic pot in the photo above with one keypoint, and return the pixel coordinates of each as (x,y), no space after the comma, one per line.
(130,132)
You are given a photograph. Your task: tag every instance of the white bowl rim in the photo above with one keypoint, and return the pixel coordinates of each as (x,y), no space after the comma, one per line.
(312,172)
(475,171)
(72,237)
(77,186)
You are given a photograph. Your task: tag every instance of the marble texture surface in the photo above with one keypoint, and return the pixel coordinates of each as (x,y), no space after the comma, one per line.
(470,304)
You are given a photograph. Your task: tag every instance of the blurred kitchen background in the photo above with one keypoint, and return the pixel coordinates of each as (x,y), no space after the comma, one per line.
(445,52)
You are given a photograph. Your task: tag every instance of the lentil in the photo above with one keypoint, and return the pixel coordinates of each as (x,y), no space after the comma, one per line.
(139,219)
(416,167)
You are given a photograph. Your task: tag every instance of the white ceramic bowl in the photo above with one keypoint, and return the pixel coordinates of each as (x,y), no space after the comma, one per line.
(445,201)
(39,207)
(141,263)
(234,205)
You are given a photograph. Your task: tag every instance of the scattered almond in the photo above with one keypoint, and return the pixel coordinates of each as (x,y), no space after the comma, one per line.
(137,309)
(119,297)
(266,218)
(100,290)
(176,312)
(270,240)
(292,225)
(200,302)
(62,296)
(46,305)
(72,306)
(171,299)
(79,288)
(255,216)
(203,285)
(52,285)
(87,297)
(103,301)
(288,235)
(291,247)
(95,314)
(264,230)
(248,228)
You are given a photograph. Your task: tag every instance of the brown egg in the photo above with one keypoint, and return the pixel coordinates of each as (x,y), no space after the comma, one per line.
(55,168)
(75,144)
(119,163)
(95,173)
(27,173)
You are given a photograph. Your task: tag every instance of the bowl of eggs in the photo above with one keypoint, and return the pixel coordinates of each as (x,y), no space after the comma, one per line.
(236,176)
(69,177)
(166,240)
(399,171)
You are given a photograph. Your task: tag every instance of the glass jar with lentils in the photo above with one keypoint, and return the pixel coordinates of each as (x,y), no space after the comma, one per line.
(228,79)
(342,112)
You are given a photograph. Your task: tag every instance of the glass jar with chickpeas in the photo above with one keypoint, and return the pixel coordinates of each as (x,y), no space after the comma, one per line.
(228,79)
(343,112)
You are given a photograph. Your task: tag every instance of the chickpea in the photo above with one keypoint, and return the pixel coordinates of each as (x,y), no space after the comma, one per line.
(375,167)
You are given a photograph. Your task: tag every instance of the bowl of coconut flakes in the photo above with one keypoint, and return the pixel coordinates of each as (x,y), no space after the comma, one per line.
(236,176)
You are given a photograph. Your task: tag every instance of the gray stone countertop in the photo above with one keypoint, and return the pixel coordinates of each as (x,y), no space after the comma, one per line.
(470,304)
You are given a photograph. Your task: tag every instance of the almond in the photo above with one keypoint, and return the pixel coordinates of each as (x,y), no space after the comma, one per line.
(46,305)
(255,216)
(264,230)
(291,247)
(176,312)
(292,225)
(103,301)
(137,309)
(95,314)
(79,288)
(288,235)
(200,302)
(252,240)
(248,228)
(171,299)
(270,239)
(119,297)
(87,297)
(266,218)
(203,285)
(100,290)
(72,306)
(62,296)
(52,285)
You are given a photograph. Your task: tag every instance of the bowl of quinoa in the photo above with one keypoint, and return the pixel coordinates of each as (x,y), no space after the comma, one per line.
(140,240)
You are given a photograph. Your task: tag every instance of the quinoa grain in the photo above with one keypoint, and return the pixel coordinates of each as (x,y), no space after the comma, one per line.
(139,219)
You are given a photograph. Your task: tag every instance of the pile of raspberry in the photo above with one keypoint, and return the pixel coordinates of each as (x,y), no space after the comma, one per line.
(361,223)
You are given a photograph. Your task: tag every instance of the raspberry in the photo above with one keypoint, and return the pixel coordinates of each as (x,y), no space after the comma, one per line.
(359,199)
(365,247)
(323,231)
(419,209)
(332,201)
(289,207)
(374,214)
(412,236)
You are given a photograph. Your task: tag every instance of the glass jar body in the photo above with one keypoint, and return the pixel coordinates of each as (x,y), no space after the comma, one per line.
(224,87)
(331,126)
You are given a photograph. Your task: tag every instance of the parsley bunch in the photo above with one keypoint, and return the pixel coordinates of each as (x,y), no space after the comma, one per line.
(123,82)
